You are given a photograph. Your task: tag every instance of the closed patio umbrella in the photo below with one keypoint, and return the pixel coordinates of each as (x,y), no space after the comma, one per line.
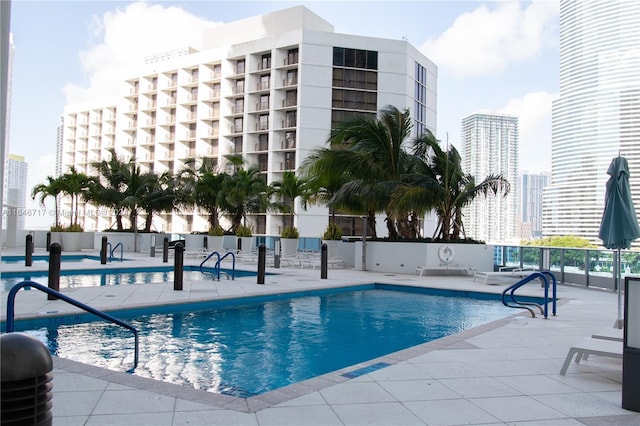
(619,226)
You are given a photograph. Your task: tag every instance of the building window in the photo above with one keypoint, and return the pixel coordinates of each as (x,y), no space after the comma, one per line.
(240,66)
(355,58)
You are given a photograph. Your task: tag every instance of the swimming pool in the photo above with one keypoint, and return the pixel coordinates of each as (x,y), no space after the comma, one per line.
(248,346)
(110,276)
(44,258)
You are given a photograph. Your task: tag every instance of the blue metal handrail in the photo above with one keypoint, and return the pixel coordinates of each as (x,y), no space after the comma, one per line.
(114,249)
(525,305)
(216,267)
(10,326)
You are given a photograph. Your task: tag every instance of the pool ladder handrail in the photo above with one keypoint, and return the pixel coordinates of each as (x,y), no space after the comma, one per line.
(542,275)
(216,267)
(10,326)
(114,249)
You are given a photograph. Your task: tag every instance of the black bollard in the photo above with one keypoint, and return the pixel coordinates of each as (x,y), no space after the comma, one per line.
(28,250)
(239,245)
(103,251)
(277,246)
(165,250)
(324,257)
(48,240)
(262,261)
(178,267)
(206,243)
(55,254)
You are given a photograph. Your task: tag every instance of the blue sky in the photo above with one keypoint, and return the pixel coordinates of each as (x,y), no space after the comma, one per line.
(491,56)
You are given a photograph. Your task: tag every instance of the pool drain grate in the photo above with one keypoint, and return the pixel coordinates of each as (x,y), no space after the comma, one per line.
(365,370)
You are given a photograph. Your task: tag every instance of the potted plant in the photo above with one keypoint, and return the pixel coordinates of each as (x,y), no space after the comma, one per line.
(72,237)
(216,238)
(332,235)
(289,241)
(246,238)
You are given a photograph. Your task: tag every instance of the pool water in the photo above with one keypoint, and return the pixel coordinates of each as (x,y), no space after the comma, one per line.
(94,278)
(12,260)
(249,349)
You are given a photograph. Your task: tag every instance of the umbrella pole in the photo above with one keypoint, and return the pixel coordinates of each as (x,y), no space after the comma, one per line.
(618,278)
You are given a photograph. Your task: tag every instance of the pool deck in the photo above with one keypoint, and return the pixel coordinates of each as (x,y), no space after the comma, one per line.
(503,373)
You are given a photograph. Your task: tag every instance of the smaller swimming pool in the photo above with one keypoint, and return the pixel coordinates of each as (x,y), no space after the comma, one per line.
(44,258)
(112,276)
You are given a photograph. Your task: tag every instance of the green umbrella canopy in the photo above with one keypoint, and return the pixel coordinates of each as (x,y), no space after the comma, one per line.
(619,226)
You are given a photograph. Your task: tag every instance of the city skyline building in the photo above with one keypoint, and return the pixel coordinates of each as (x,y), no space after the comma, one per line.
(268,88)
(490,147)
(532,187)
(597,115)
(15,191)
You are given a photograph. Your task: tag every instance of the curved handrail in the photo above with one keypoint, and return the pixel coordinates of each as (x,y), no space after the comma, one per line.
(525,305)
(554,293)
(233,265)
(27,283)
(215,253)
(114,249)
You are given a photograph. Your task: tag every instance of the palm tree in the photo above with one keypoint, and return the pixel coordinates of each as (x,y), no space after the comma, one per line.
(201,186)
(370,155)
(158,197)
(51,189)
(109,188)
(246,191)
(137,184)
(438,182)
(75,185)
(287,190)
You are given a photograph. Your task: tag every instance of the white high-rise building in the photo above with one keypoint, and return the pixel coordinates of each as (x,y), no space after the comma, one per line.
(597,115)
(268,87)
(490,147)
(16,191)
(532,187)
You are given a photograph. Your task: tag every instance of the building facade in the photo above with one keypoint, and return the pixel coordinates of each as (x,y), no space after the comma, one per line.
(532,186)
(267,88)
(597,115)
(15,191)
(490,147)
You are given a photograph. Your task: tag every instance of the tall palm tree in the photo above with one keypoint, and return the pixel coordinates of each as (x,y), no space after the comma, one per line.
(246,191)
(76,185)
(287,190)
(51,189)
(158,197)
(370,154)
(201,186)
(110,186)
(438,182)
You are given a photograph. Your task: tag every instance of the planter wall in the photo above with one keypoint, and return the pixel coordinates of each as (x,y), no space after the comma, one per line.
(289,246)
(246,244)
(404,258)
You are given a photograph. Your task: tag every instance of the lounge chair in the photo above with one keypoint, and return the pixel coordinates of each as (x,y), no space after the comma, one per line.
(614,334)
(445,268)
(500,276)
(590,346)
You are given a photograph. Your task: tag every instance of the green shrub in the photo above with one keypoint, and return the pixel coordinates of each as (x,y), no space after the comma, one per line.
(243,231)
(290,232)
(57,228)
(333,232)
(216,231)
(74,228)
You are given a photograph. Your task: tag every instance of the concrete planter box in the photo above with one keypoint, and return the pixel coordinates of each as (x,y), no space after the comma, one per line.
(289,246)
(404,258)
(246,244)
(71,241)
(215,243)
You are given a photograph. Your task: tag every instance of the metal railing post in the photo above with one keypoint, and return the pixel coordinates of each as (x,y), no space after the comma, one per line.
(28,250)
(48,243)
(178,268)
(55,255)
(103,251)
(262,260)
(165,250)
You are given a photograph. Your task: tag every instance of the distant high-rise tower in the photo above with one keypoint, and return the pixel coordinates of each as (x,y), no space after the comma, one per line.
(59,144)
(531,205)
(490,146)
(15,189)
(597,115)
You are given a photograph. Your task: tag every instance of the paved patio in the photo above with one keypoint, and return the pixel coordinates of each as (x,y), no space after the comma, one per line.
(502,373)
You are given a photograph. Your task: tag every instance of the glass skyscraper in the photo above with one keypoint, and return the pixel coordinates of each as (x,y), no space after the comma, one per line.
(597,115)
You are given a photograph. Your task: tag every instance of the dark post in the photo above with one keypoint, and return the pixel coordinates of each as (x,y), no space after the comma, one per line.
(239,244)
(152,248)
(262,260)
(103,251)
(205,243)
(55,254)
(165,250)
(28,250)
(48,240)
(324,258)
(178,267)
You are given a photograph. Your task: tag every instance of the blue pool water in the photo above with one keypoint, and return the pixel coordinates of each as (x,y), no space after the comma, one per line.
(9,260)
(251,346)
(105,277)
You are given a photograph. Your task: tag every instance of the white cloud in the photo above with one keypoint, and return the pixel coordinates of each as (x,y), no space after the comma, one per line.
(534,124)
(124,38)
(485,41)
